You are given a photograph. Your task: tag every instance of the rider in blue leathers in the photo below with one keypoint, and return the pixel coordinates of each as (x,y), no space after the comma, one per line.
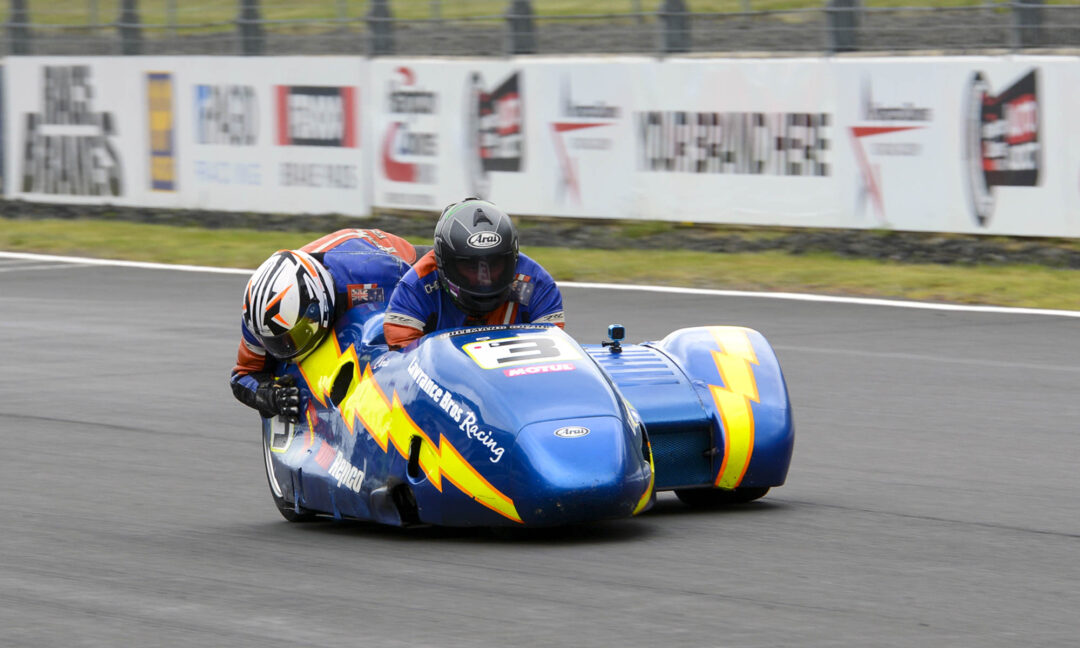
(292,300)
(474,275)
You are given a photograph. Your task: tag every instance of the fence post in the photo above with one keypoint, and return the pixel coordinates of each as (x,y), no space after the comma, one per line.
(170,17)
(381,23)
(18,29)
(843,24)
(131,42)
(675,27)
(521,28)
(250,29)
(1029,23)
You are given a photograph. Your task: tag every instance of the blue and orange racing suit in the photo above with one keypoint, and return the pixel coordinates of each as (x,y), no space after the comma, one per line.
(365,266)
(419,306)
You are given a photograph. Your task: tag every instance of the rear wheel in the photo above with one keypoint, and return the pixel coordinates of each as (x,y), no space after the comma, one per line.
(713,497)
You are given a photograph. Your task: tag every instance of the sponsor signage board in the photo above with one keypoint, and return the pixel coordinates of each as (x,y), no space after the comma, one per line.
(736,142)
(273,134)
(161,112)
(71,130)
(891,139)
(414,132)
(961,144)
(536,137)
(629,138)
(233,133)
(950,144)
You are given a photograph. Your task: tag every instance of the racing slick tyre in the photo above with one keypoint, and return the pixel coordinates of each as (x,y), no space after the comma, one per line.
(714,497)
(291,513)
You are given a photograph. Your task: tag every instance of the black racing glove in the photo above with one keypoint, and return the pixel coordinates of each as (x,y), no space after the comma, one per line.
(279,398)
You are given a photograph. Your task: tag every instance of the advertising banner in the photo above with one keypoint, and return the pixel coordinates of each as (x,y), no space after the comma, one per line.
(413,131)
(271,134)
(71,131)
(233,133)
(450,129)
(619,138)
(582,113)
(736,141)
(962,144)
(949,144)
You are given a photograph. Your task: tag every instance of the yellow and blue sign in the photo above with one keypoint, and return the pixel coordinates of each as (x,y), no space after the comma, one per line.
(159,101)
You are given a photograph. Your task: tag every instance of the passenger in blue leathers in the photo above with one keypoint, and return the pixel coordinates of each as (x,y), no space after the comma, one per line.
(474,275)
(293,299)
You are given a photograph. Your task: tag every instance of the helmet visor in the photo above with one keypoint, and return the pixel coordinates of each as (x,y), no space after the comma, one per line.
(298,340)
(481,274)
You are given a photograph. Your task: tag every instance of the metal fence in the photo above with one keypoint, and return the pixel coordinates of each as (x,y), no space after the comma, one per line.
(505,27)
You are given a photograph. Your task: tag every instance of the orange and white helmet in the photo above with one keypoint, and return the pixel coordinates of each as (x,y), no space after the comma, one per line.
(289,303)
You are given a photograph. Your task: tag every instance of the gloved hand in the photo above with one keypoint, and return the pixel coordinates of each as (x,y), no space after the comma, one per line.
(279,397)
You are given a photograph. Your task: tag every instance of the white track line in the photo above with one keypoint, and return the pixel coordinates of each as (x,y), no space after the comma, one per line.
(121,264)
(832,299)
(829,299)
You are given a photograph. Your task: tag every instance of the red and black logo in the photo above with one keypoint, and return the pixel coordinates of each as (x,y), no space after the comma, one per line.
(1002,146)
(496,126)
(316,116)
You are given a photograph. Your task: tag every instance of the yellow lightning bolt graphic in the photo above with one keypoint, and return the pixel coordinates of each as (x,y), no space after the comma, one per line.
(647,495)
(389,424)
(733,360)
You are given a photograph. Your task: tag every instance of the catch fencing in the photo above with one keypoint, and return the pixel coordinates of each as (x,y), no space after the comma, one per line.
(513,27)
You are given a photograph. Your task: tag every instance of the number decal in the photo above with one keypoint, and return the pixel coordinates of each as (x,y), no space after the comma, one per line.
(524,349)
(281,435)
(521,349)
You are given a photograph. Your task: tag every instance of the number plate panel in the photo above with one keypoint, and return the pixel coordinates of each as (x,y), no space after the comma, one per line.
(520,349)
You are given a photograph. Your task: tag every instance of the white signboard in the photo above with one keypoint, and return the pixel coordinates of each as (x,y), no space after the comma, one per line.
(72,131)
(623,138)
(445,130)
(234,133)
(962,144)
(737,141)
(951,144)
(271,134)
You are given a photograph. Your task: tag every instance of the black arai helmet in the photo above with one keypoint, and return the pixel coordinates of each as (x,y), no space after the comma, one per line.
(476,252)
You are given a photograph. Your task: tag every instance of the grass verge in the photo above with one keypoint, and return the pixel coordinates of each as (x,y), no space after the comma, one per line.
(1014,285)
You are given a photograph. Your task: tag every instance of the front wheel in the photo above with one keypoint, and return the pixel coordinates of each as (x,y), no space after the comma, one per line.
(290,512)
(277,435)
(714,497)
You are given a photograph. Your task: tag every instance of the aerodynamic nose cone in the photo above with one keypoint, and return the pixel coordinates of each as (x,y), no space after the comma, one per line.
(577,470)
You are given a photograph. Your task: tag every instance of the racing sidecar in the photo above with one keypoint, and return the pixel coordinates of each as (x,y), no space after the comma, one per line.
(522,426)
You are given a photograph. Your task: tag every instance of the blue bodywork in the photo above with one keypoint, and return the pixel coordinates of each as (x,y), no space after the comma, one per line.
(522,426)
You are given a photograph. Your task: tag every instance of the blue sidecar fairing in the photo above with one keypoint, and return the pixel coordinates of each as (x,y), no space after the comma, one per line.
(522,426)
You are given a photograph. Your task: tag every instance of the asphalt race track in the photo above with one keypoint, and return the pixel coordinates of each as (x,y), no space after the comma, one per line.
(934,498)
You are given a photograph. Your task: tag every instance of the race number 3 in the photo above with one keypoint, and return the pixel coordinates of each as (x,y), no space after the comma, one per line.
(281,435)
(522,349)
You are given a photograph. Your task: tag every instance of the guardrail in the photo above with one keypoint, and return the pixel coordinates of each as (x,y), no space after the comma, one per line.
(511,27)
